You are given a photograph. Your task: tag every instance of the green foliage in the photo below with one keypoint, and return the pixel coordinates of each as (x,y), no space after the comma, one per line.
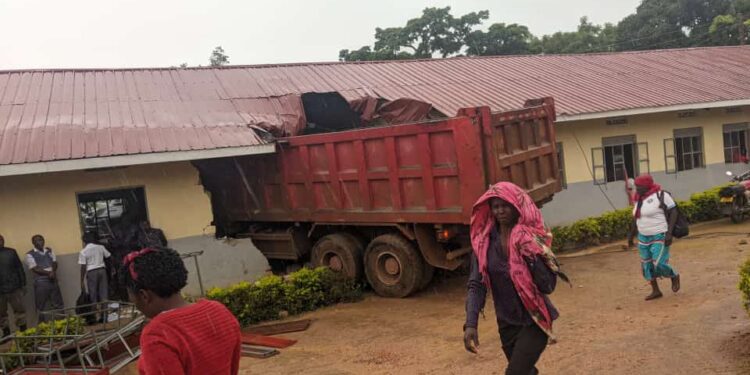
(28,340)
(500,39)
(588,37)
(705,206)
(732,27)
(655,24)
(435,32)
(614,225)
(304,290)
(218,57)
(745,284)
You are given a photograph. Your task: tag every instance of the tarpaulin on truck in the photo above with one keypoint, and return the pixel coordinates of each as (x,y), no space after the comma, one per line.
(311,113)
(377,111)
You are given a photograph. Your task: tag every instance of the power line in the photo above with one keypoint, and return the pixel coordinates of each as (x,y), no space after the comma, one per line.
(591,171)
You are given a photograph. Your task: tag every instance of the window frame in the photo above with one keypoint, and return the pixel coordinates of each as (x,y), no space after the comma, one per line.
(621,141)
(110,191)
(735,128)
(679,137)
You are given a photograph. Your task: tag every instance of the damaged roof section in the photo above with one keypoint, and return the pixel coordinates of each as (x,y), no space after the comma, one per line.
(54,116)
(314,113)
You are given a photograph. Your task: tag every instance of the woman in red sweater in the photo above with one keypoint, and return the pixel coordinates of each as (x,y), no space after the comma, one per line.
(181,338)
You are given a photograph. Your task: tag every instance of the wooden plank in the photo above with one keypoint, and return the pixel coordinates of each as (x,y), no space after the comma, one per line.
(271,342)
(279,328)
(258,352)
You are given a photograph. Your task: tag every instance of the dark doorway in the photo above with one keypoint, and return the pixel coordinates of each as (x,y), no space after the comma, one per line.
(619,158)
(101,211)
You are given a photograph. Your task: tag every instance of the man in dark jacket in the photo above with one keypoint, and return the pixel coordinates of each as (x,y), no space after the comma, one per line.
(12,284)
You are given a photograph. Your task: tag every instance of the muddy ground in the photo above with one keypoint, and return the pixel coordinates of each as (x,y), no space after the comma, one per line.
(605,326)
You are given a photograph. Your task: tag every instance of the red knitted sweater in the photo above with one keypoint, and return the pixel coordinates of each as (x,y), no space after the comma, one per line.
(202,338)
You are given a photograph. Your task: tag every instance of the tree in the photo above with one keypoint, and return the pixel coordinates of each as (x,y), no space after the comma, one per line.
(655,24)
(500,39)
(588,37)
(218,57)
(733,27)
(436,32)
(696,17)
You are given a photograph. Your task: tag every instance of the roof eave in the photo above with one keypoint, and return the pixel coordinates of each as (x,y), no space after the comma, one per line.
(649,110)
(130,160)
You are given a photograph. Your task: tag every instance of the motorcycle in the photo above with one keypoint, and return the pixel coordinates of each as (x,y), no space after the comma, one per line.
(735,199)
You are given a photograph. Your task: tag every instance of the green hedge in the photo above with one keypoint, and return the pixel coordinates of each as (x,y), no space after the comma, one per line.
(300,291)
(745,285)
(70,326)
(614,225)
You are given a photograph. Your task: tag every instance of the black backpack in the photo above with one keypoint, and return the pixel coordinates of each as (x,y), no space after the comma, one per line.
(681,226)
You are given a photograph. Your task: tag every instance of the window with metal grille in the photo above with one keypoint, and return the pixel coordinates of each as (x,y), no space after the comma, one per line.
(561,165)
(619,158)
(688,149)
(102,211)
(735,142)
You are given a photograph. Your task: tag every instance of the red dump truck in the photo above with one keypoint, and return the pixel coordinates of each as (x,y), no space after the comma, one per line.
(390,203)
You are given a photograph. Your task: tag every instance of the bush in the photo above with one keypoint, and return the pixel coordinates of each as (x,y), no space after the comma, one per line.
(614,225)
(745,285)
(303,290)
(70,326)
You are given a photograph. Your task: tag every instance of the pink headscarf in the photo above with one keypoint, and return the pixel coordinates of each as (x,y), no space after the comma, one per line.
(646,181)
(528,239)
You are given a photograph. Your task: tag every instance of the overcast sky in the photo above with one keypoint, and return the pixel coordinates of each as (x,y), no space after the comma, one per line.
(157,33)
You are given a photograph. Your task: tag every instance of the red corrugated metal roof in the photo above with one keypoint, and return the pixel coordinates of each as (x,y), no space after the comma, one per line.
(68,114)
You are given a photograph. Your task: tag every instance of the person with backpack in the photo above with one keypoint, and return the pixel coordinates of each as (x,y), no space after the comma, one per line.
(655,217)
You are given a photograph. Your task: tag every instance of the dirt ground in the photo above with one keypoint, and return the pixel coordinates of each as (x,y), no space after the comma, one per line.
(605,326)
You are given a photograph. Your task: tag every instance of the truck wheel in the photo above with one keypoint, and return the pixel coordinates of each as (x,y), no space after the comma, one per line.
(340,252)
(393,266)
(429,273)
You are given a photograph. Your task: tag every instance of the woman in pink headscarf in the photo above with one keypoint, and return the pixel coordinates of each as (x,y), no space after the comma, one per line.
(512,259)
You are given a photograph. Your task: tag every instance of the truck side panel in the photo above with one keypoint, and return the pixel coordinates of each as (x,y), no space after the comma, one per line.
(405,173)
(520,147)
(429,172)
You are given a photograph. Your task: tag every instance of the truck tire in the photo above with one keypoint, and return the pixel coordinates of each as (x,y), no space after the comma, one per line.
(394,267)
(340,252)
(429,273)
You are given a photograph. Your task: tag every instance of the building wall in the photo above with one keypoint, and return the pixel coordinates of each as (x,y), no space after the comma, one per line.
(582,198)
(176,203)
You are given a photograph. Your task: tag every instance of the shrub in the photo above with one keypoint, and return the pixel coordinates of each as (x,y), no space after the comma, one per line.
(706,206)
(745,285)
(27,341)
(614,225)
(303,290)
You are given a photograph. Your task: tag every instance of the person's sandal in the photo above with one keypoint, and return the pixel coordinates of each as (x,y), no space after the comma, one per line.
(676,283)
(653,295)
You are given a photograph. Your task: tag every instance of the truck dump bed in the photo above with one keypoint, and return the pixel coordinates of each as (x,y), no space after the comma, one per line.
(429,172)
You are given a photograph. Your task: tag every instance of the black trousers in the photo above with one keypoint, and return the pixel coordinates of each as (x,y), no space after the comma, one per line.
(523,345)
